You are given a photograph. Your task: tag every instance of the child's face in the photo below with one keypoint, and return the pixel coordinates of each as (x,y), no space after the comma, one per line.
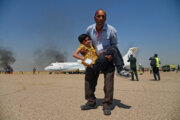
(87,42)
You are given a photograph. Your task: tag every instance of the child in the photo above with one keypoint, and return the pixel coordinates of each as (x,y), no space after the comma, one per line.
(99,63)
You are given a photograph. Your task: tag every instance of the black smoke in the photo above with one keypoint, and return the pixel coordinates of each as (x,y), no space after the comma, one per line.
(43,57)
(6,58)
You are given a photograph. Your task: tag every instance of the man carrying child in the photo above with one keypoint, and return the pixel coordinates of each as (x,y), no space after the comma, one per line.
(103,37)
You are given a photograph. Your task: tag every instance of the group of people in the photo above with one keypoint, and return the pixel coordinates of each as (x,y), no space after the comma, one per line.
(155,65)
(102,57)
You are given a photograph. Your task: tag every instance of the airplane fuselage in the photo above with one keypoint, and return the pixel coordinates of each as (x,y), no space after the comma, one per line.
(78,67)
(66,67)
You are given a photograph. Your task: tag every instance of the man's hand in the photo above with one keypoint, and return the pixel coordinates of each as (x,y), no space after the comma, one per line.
(83,51)
(101,52)
(109,57)
(91,65)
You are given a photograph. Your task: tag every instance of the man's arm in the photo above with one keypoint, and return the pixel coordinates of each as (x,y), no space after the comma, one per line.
(151,58)
(113,42)
(113,37)
(109,57)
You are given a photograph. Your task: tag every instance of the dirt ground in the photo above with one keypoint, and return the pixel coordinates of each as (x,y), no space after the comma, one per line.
(59,97)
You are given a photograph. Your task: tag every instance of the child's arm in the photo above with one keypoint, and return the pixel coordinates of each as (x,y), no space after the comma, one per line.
(76,55)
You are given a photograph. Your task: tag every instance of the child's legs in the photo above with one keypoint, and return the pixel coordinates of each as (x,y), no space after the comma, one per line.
(101,63)
(117,57)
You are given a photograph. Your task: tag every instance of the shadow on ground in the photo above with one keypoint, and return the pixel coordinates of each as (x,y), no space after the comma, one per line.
(153,80)
(115,103)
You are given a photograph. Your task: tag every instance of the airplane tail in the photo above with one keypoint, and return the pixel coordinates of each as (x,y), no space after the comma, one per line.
(131,51)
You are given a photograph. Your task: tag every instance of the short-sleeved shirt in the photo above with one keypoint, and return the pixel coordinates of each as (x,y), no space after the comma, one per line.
(91,54)
(107,36)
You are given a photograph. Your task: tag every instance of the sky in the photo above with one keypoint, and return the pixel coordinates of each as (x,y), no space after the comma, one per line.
(29,26)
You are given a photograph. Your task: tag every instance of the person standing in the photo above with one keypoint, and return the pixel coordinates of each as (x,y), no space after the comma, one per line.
(103,36)
(155,63)
(178,68)
(132,61)
(140,69)
(34,70)
(150,68)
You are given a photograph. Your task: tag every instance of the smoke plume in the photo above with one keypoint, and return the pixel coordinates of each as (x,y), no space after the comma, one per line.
(6,58)
(47,56)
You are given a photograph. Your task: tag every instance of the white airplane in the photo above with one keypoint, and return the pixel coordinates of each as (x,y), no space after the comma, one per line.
(66,67)
(78,67)
(131,51)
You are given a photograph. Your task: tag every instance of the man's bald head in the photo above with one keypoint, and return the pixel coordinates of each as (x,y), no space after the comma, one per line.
(100,18)
(100,11)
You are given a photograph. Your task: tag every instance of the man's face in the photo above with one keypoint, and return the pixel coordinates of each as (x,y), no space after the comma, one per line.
(87,42)
(100,17)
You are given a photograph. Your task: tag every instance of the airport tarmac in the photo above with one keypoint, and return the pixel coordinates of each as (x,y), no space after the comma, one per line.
(59,96)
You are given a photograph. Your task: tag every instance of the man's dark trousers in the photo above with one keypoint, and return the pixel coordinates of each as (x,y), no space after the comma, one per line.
(156,72)
(134,71)
(91,78)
